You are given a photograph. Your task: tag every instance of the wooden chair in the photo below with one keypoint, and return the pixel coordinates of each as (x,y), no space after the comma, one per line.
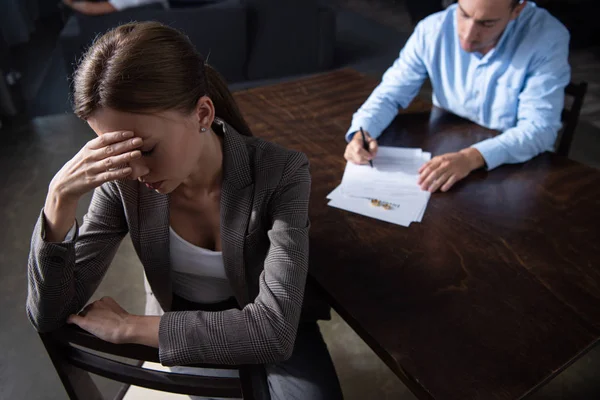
(570,116)
(74,353)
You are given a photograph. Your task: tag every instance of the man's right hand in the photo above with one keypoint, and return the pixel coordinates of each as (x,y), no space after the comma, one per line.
(355,151)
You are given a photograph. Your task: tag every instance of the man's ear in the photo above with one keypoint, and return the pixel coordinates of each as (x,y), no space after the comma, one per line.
(517,10)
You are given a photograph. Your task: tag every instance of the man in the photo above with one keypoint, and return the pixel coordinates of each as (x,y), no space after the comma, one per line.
(500,63)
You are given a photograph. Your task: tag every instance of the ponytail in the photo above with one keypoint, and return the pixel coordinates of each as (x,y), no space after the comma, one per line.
(225,106)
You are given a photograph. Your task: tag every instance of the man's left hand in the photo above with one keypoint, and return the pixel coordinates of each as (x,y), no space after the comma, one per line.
(445,170)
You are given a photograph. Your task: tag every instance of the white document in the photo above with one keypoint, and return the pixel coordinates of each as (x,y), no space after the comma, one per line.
(393,179)
(394,175)
(362,206)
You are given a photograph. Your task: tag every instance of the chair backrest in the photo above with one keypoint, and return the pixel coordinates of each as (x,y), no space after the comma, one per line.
(74,353)
(570,116)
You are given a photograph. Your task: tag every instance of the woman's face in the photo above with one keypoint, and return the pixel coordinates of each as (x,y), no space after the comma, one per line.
(172,144)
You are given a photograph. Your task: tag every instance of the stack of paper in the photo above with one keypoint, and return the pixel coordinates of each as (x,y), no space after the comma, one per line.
(388,191)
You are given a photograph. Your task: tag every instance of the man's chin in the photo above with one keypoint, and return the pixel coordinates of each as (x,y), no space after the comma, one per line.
(469,49)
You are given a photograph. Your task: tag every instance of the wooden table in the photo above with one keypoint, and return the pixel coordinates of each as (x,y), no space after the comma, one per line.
(493,294)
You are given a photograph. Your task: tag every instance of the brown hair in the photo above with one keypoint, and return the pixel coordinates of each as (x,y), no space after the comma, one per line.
(145,67)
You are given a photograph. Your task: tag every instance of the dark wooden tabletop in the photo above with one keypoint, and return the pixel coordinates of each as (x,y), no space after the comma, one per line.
(494,293)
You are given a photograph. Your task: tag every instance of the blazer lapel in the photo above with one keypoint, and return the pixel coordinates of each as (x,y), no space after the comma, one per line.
(153,218)
(236,203)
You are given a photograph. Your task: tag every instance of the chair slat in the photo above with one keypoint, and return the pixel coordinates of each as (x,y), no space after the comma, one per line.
(157,380)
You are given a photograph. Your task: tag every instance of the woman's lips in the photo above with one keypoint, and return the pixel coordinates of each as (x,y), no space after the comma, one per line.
(155,185)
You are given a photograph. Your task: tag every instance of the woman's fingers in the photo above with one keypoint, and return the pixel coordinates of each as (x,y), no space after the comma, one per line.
(115,149)
(112,175)
(111,161)
(109,138)
(115,162)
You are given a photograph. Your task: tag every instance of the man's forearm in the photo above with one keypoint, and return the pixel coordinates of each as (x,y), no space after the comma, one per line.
(516,145)
(91,8)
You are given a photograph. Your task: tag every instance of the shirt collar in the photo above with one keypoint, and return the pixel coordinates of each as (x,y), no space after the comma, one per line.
(503,38)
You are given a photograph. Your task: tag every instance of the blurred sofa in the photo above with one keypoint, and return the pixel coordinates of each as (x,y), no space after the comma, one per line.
(242,39)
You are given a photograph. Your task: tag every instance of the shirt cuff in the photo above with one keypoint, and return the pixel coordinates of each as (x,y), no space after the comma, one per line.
(493,153)
(122,4)
(71,235)
(367,127)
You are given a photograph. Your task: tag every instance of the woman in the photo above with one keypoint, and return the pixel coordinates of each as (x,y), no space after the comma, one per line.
(217,217)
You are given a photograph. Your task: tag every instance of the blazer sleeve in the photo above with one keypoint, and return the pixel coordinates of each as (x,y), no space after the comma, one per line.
(63,276)
(264,331)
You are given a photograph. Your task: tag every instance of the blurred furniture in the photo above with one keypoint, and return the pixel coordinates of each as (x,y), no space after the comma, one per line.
(493,294)
(76,353)
(289,37)
(11,98)
(17,20)
(579,16)
(242,39)
(570,116)
(419,9)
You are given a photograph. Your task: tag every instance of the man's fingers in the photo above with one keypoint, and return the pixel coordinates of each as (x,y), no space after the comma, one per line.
(364,155)
(426,168)
(438,182)
(433,175)
(427,164)
(425,172)
(358,158)
(449,183)
(373,147)
(356,154)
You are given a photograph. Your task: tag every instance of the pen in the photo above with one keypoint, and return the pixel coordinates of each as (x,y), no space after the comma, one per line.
(365,144)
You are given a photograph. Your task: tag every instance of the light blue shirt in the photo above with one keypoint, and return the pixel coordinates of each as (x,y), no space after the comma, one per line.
(517,87)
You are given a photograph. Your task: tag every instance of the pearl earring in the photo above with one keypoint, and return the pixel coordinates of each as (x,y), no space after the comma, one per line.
(202,129)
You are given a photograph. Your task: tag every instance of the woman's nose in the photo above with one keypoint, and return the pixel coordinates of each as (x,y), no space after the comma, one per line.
(139,169)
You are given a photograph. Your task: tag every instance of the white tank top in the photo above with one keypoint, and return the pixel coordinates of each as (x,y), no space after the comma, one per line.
(197,274)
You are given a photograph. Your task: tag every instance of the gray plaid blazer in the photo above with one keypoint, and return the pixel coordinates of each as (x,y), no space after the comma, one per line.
(264,235)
